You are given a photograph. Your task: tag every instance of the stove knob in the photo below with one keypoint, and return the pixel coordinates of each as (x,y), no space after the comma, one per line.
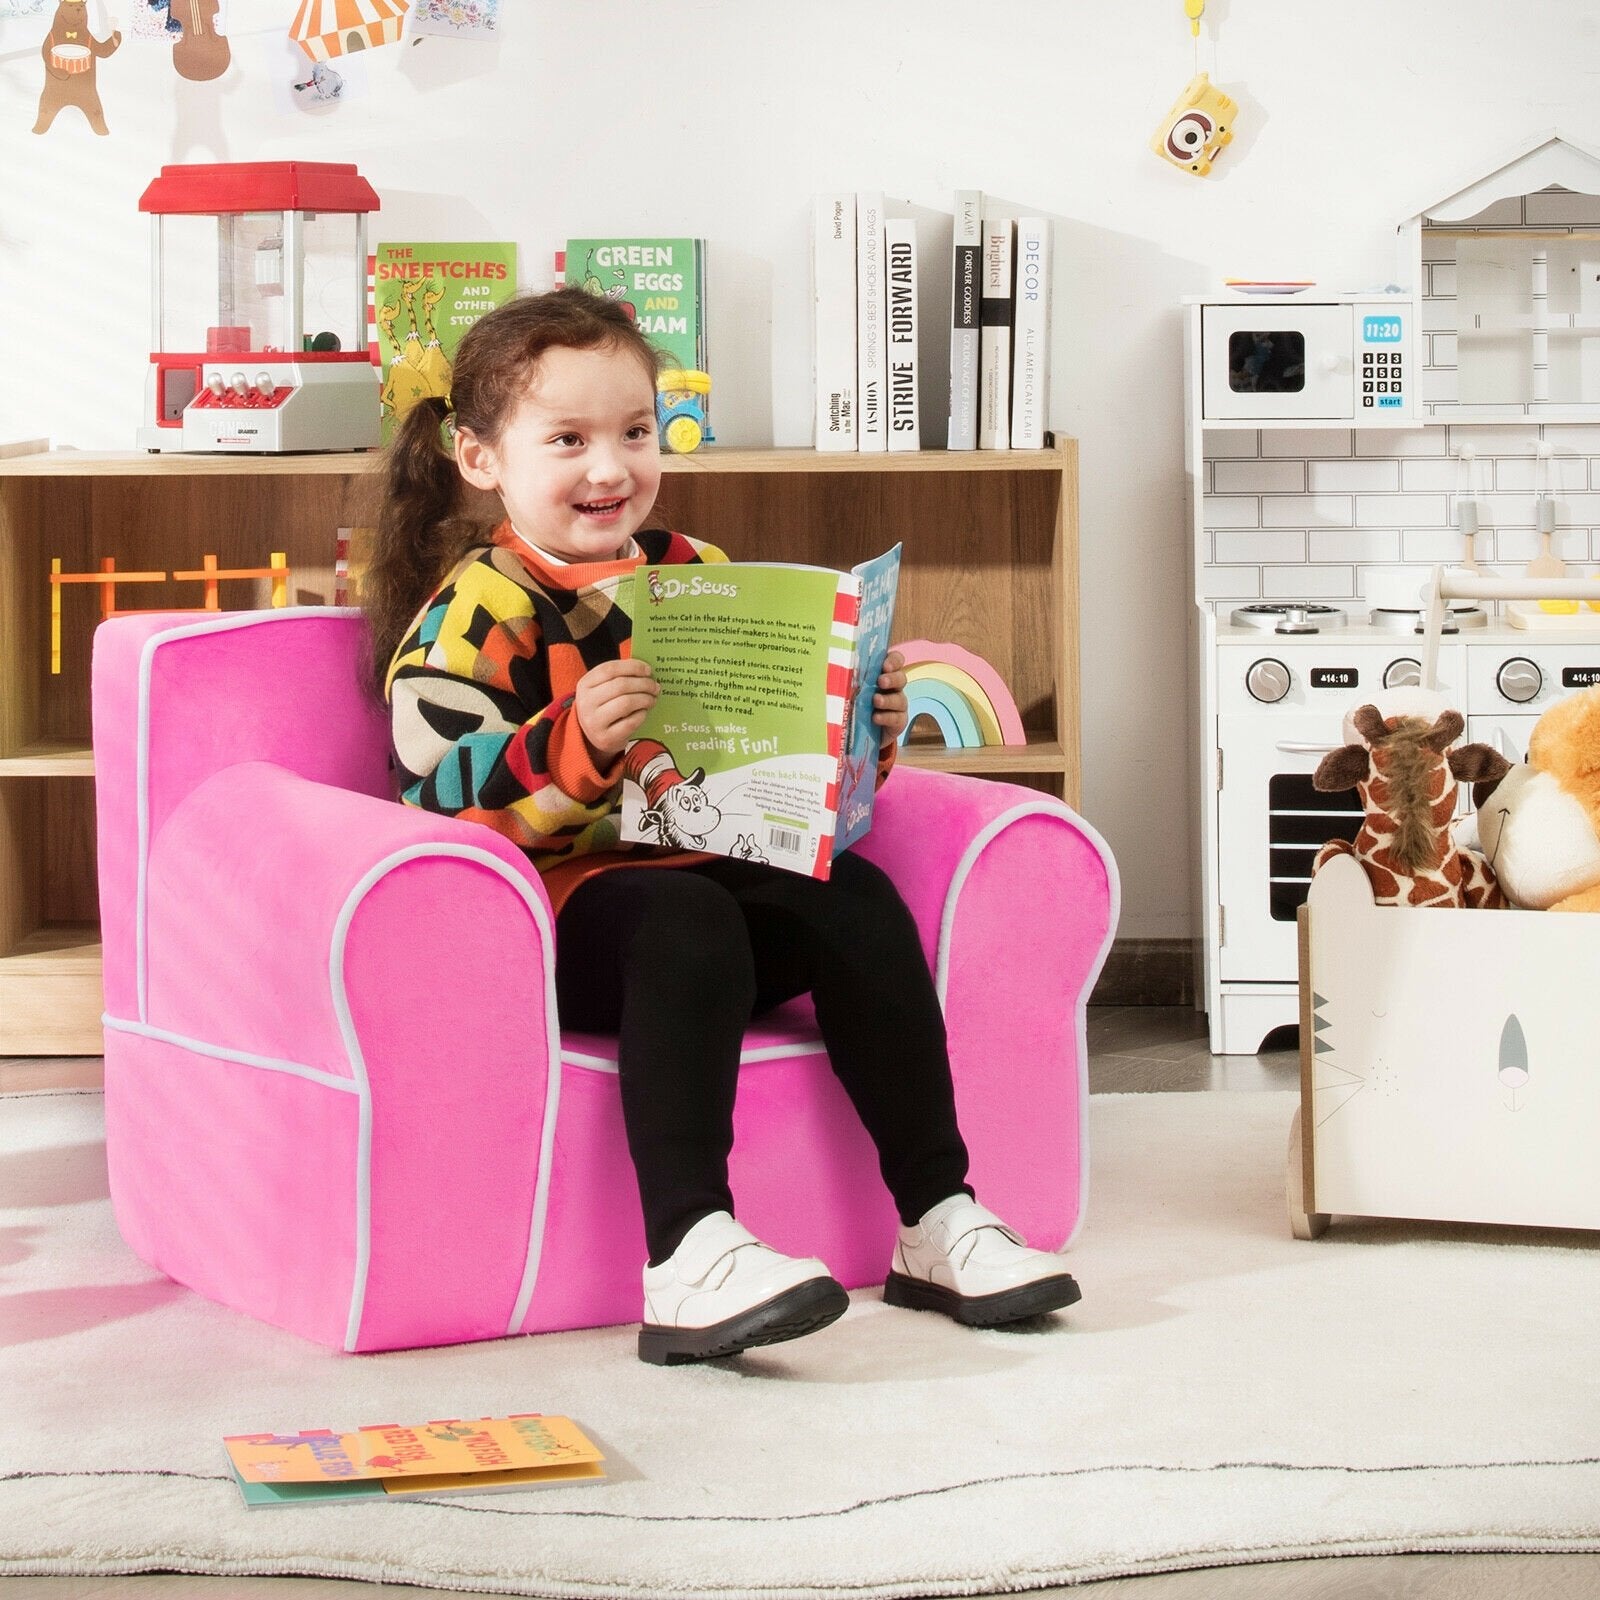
(1403,673)
(1268,680)
(1519,680)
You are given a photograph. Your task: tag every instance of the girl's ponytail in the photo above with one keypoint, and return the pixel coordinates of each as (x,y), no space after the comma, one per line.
(420,532)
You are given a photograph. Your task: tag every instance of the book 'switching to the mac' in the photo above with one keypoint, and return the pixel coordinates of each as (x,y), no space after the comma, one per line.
(761,743)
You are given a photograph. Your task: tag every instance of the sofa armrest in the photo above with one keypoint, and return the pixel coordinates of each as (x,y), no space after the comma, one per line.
(1016,898)
(291,927)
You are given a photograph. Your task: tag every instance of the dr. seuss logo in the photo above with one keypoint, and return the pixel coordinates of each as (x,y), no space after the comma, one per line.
(664,588)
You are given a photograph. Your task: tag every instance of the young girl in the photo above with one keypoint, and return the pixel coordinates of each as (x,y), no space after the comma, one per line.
(505,660)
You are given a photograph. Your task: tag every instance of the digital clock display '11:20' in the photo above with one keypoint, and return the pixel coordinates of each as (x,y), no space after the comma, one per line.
(1380,330)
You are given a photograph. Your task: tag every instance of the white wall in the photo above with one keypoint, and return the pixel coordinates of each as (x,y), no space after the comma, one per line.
(720,117)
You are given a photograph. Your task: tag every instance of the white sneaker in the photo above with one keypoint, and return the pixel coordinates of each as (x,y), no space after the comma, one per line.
(722,1291)
(961,1259)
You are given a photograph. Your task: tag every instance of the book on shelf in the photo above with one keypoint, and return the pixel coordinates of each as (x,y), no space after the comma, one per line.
(424,298)
(966,269)
(902,326)
(995,308)
(662,282)
(1030,336)
(871,369)
(761,742)
(833,287)
(449,1455)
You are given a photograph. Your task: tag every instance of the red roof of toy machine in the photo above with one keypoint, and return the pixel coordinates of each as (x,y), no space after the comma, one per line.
(227,186)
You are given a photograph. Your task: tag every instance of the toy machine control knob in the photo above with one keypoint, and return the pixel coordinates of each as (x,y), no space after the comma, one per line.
(215,384)
(1519,680)
(1402,673)
(1268,680)
(265,387)
(240,385)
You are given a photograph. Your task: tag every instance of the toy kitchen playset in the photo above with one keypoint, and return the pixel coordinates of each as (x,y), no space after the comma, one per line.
(1338,449)
(259,295)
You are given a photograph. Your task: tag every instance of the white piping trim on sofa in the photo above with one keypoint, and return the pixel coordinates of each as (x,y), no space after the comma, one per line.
(958,881)
(541,1193)
(770,1052)
(141,785)
(358,1083)
(199,1047)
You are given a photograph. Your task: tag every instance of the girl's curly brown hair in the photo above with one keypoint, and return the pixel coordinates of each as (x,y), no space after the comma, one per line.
(425,522)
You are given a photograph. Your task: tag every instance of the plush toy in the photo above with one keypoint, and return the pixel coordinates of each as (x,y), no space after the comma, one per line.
(1407,773)
(1540,825)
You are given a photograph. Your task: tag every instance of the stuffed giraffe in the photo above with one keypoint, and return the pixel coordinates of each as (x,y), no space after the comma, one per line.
(1407,774)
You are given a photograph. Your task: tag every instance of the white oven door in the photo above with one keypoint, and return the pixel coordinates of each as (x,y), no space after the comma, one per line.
(1270,824)
(1507,734)
(1273,360)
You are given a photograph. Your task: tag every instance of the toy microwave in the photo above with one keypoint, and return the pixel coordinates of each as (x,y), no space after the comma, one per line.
(1281,356)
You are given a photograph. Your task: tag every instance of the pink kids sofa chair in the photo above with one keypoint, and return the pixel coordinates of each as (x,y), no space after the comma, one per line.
(338,1096)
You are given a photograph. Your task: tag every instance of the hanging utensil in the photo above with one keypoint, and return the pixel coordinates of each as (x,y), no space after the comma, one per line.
(1467,507)
(1546,564)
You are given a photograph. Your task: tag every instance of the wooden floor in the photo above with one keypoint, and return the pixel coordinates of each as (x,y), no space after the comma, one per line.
(1131,1050)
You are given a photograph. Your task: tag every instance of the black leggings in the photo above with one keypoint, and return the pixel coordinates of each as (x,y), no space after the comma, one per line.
(677,960)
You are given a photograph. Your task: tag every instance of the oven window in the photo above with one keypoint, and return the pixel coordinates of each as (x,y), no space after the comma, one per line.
(1266,363)
(1300,820)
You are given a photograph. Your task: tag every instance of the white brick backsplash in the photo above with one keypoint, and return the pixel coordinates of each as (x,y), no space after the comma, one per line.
(1567,473)
(1305,511)
(1577,510)
(1260,477)
(1442,476)
(1522,544)
(1581,439)
(1232,511)
(1437,316)
(1438,544)
(1230,583)
(1281,545)
(1303,443)
(1397,510)
(1514,439)
(1442,278)
(1308,583)
(1442,348)
(1232,442)
(1437,246)
(1400,442)
(1354,545)
(1437,386)
(1329,477)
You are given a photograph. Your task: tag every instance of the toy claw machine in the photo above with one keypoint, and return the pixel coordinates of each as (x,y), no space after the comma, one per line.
(259,301)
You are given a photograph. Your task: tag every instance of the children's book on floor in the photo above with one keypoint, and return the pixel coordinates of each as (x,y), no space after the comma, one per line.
(761,743)
(454,1455)
(424,298)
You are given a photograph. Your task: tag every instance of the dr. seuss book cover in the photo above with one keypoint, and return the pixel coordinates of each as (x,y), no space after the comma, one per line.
(662,281)
(424,298)
(523,1450)
(761,742)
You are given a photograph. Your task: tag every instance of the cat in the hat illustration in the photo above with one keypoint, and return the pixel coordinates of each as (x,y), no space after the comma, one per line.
(677,808)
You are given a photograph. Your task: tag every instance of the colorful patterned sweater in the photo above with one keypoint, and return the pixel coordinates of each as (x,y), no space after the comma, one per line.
(480,694)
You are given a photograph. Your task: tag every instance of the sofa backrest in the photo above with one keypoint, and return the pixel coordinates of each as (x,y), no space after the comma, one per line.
(177,699)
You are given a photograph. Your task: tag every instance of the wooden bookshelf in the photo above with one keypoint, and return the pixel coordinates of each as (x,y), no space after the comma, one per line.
(990,562)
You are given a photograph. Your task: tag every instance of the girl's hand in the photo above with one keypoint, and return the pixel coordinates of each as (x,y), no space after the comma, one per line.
(889,703)
(610,703)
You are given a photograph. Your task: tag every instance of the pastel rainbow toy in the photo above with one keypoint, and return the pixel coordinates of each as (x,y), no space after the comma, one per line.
(965,697)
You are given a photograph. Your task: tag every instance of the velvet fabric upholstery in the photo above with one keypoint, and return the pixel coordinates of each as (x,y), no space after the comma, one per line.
(338,1097)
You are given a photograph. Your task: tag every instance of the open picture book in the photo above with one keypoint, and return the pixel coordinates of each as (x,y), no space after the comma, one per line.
(761,743)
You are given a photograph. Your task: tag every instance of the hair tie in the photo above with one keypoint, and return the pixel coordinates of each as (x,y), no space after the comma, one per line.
(447,429)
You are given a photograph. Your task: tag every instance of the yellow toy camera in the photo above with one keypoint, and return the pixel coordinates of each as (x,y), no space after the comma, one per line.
(1196,128)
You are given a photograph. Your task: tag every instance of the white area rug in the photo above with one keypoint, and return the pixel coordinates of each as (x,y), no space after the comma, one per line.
(1222,1394)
